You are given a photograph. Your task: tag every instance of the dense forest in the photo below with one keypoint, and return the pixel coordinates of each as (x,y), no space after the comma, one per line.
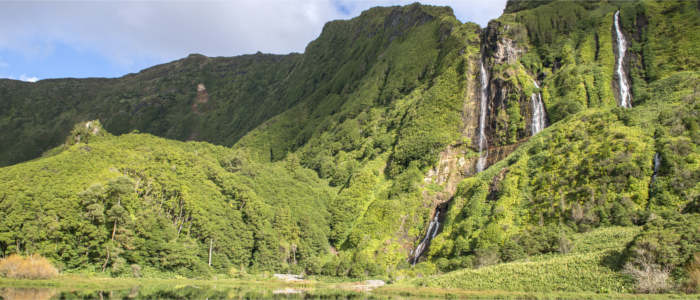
(402,143)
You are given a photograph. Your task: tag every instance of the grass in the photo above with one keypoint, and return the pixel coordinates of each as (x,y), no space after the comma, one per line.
(587,272)
(603,239)
(83,282)
(411,292)
(590,267)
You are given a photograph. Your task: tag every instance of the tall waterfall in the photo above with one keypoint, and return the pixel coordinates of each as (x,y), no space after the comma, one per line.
(429,235)
(625,97)
(483,143)
(539,117)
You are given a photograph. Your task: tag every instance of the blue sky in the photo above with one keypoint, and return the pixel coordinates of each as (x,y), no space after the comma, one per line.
(56,39)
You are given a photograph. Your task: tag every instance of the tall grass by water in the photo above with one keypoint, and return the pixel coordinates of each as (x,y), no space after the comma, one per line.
(30,267)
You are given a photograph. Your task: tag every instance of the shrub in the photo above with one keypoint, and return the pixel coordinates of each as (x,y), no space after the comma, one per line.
(511,251)
(693,283)
(665,249)
(486,257)
(670,241)
(565,244)
(136,270)
(31,267)
(650,276)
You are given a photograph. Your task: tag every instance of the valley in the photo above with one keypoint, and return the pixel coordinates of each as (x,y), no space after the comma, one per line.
(553,153)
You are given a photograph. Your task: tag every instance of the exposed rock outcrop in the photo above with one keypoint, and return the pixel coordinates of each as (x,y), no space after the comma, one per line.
(84,132)
(201,99)
(510,107)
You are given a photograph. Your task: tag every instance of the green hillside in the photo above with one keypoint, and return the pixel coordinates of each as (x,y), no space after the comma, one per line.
(162,100)
(352,158)
(138,199)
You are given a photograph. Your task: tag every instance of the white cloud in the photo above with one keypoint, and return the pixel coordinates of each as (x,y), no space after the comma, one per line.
(128,31)
(477,11)
(26,78)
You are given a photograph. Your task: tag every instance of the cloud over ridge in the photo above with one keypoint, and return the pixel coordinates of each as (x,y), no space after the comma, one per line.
(129,32)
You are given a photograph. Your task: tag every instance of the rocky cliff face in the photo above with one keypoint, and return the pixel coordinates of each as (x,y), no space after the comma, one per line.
(458,160)
(509,114)
(510,109)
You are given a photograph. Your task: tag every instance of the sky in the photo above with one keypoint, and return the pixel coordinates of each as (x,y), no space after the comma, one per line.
(108,38)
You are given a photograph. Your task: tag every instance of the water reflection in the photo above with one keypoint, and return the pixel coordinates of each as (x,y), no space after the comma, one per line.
(187,292)
(26,294)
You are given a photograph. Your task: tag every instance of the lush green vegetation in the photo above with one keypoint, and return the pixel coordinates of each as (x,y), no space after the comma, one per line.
(589,264)
(362,138)
(374,141)
(137,204)
(593,168)
(162,100)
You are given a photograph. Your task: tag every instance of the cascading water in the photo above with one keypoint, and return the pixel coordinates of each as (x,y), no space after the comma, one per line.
(434,225)
(625,97)
(483,143)
(539,117)
(429,235)
(657,165)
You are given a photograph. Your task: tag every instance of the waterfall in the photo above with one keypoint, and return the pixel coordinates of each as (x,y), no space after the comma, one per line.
(429,235)
(657,165)
(483,144)
(539,117)
(625,97)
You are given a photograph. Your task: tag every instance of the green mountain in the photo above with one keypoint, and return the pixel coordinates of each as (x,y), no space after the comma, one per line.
(561,137)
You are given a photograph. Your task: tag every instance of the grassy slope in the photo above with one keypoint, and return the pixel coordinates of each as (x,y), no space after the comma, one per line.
(589,267)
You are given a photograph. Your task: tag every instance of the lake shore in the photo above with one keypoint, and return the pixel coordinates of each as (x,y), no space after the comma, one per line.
(268,287)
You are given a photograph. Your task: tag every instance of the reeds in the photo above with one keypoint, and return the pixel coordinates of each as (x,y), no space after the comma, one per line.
(31,267)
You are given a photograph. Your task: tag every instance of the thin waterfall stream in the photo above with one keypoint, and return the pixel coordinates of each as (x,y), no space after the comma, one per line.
(429,235)
(539,117)
(434,225)
(483,143)
(657,165)
(625,97)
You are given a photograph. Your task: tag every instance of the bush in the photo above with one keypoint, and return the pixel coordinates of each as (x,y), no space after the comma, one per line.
(693,283)
(136,270)
(32,267)
(650,276)
(664,250)
(486,257)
